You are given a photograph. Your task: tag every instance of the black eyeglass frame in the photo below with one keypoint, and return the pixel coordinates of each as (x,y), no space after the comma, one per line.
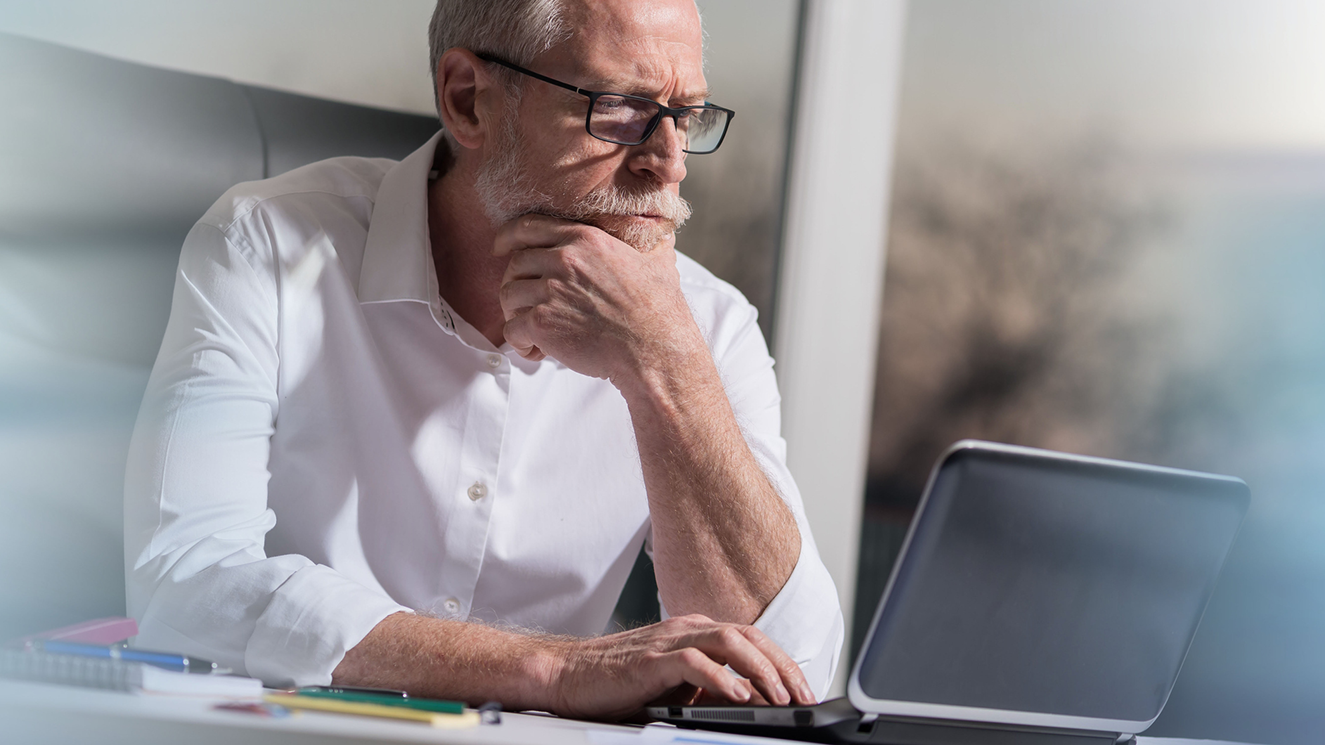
(663,109)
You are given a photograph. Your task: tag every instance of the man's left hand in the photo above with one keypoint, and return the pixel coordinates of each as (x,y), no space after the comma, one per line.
(602,308)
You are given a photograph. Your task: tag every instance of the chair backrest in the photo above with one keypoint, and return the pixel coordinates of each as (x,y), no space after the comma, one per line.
(104,167)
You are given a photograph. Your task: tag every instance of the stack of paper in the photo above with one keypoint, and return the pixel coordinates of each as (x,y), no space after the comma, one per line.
(119,675)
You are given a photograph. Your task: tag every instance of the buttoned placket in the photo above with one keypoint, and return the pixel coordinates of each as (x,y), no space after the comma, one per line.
(476,486)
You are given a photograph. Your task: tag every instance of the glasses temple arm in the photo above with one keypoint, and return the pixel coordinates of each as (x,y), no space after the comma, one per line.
(499,61)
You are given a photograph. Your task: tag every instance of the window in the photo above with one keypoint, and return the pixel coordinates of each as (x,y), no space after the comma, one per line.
(1108,237)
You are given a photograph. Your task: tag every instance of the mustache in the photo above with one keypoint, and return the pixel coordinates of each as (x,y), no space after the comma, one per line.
(621,202)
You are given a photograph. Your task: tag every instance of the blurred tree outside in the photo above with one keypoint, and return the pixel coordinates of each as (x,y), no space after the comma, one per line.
(1001,318)
(1082,297)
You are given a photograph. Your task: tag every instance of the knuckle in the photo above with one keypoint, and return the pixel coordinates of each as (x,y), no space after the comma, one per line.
(675,621)
(652,658)
(753,634)
(691,657)
(515,332)
(540,315)
(730,636)
(570,260)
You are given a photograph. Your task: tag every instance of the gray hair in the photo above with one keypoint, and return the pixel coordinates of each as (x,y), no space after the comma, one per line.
(516,30)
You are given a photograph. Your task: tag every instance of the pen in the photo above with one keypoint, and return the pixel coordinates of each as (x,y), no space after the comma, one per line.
(315,703)
(390,692)
(177,662)
(383,698)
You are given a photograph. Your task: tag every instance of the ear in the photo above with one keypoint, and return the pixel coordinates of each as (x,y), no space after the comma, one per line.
(468,97)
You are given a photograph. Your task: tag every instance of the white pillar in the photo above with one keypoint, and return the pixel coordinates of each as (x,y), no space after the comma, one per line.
(831,276)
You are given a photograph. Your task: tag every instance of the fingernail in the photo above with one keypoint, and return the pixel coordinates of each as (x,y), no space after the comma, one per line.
(806,693)
(783,696)
(742,695)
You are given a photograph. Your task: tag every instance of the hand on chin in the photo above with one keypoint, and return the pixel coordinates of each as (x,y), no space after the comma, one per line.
(598,304)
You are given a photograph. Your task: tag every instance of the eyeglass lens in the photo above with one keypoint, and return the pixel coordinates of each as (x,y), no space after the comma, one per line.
(626,120)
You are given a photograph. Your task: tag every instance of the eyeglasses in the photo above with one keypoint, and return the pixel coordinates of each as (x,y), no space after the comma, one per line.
(630,120)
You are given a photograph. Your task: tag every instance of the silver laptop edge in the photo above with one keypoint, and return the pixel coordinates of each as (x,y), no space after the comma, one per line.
(884,707)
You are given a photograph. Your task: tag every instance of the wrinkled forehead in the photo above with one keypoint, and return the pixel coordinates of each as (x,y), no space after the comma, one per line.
(653,44)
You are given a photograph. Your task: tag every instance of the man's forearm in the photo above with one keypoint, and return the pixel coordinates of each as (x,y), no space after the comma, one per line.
(607,677)
(724,541)
(454,660)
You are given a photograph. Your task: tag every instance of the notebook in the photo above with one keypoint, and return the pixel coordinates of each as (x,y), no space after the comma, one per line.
(119,675)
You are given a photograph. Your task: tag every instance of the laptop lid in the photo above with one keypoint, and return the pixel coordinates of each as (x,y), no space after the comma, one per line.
(1043,589)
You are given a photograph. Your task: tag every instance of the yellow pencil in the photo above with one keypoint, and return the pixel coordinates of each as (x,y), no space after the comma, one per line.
(443,721)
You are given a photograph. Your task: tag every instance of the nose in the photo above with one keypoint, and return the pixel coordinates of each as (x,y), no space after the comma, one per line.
(661,157)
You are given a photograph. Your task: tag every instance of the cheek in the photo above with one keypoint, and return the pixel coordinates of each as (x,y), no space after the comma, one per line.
(585,152)
(585,166)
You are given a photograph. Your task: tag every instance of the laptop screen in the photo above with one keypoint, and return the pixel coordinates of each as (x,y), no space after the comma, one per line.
(1047,585)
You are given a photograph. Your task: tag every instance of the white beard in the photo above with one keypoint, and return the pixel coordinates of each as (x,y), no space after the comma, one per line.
(508,190)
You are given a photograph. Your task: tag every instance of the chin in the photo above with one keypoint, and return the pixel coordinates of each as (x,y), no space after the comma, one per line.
(641,233)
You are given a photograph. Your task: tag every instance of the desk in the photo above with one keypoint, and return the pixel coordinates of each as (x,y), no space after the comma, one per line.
(57,715)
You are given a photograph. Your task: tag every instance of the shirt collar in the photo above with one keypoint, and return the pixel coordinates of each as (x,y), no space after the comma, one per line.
(397,258)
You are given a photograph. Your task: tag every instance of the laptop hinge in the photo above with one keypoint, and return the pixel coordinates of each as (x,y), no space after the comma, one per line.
(868,718)
(1125,739)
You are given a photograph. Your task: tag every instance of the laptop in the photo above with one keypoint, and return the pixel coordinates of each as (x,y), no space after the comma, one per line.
(1039,598)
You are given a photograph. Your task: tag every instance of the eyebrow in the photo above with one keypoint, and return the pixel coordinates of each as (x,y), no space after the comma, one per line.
(620,86)
(608,86)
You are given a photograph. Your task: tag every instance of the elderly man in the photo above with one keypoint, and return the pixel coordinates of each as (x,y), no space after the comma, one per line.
(411,422)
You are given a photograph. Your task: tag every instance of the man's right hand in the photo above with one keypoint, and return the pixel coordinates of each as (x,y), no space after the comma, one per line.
(613,676)
(607,677)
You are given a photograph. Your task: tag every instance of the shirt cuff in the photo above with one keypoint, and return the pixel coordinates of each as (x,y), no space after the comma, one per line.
(805,619)
(314,618)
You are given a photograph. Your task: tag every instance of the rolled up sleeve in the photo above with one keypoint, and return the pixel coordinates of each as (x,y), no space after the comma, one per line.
(198,579)
(805,617)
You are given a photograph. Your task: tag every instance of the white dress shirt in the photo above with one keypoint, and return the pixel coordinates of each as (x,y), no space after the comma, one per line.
(324,442)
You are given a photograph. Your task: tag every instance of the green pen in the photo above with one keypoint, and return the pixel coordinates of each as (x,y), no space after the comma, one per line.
(383,697)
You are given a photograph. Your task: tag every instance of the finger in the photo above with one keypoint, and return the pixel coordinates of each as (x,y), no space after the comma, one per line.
(667,244)
(519,333)
(532,231)
(792,676)
(521,294)
(531,263)
(727,644)
(683,695)
(692,666)
(704,698)
(756,698)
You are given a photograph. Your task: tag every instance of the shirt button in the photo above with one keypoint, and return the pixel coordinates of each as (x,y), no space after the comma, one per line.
(452,606)
(478,491)
(494,361)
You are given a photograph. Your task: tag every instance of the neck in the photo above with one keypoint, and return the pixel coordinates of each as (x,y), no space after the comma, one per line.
(468,275)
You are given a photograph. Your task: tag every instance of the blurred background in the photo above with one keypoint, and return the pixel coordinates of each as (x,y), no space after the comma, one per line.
(376,54)
(1107,236)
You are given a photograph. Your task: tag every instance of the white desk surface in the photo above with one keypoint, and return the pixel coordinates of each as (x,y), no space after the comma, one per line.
(54,715)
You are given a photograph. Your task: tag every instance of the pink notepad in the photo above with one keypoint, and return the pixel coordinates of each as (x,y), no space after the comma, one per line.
(100,631)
